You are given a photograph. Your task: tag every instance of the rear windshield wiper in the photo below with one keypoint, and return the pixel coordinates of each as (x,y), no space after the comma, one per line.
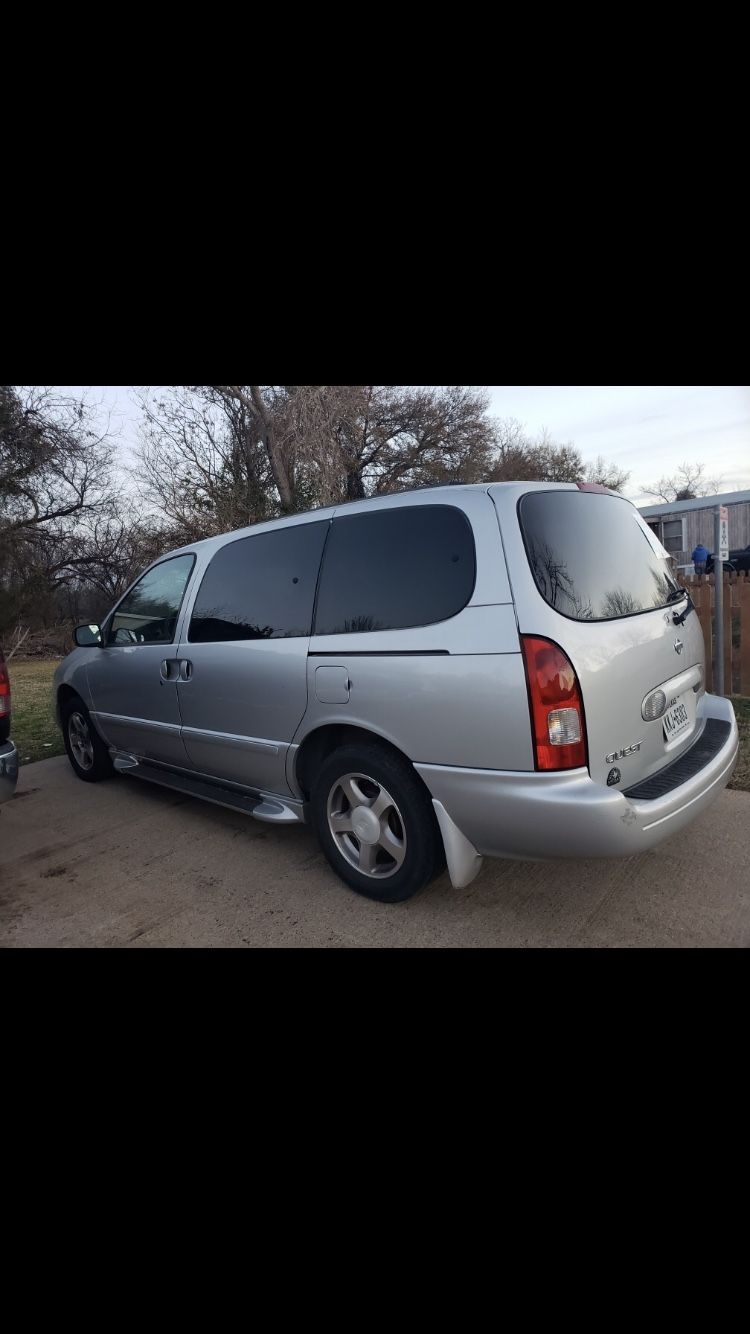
(677,595)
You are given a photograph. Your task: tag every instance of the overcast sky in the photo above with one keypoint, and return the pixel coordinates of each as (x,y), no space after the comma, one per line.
(648,431)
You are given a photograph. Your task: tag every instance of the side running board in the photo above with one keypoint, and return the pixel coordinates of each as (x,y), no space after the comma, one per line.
(261,806)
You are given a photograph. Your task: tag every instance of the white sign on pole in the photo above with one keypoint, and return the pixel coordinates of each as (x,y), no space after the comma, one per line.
(724,530)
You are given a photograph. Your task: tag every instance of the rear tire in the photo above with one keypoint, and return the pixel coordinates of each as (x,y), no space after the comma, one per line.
(87,752)
(376,824)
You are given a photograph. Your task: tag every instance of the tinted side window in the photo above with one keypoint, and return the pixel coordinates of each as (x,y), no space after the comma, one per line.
(261,587)
(392,569)
(148,615)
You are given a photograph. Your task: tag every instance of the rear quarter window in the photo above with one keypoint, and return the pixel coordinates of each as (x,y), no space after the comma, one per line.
(591,556)
(395,569)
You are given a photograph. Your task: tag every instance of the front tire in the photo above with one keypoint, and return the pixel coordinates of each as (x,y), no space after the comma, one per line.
(376,824)
(86,751)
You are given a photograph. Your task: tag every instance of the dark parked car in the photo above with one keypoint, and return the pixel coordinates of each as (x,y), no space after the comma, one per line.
(8,752)
(738,560)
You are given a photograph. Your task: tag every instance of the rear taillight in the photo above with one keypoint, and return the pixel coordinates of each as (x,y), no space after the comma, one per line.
(557,717)
(4,690)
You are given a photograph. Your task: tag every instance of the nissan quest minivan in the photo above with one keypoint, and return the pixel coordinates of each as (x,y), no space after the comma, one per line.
(438,676)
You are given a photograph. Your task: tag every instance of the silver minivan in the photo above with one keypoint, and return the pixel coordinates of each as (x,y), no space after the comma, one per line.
(439,676)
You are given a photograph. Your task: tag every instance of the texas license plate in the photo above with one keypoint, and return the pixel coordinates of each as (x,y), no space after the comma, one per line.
(676,719)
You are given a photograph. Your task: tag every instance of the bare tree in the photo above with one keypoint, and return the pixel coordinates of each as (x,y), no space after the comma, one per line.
(218,457)
(55,462)
(522,458)
(607,474)
(202,466)
(689,482)
(20,636)
(56,480)
(425,436)
(260,403)
(215,457)
(557,463)
(343,442)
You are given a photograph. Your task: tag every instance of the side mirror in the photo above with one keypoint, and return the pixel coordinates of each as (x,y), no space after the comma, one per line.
(88,636)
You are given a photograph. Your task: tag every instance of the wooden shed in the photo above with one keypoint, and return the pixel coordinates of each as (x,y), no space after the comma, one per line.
(683,524)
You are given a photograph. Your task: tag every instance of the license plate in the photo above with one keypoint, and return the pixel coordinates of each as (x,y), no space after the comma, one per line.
(676,719)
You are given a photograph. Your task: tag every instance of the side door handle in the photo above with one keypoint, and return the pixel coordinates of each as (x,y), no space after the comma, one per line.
(170,670)
(186,670)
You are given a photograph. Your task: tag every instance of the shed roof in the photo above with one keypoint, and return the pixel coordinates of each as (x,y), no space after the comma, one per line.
(703,502)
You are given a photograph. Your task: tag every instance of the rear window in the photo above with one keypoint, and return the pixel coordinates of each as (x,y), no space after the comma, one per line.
(592,556)
(393,569)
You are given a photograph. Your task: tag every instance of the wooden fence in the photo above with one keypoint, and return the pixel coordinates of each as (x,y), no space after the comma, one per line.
(736,627)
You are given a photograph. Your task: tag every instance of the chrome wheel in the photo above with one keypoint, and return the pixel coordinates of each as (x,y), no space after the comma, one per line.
(81,743)
(367,826)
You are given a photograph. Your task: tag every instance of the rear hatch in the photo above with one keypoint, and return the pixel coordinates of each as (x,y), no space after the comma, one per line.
(590,575)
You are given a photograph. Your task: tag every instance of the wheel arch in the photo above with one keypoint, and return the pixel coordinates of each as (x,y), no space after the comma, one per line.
(322,741)
(65,694)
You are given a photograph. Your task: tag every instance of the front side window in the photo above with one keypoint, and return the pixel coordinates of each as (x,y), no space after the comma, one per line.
(395,569)
(261,587)
(592,556)
(148,615)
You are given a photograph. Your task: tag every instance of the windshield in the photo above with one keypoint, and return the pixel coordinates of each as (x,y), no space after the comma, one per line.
(592,555)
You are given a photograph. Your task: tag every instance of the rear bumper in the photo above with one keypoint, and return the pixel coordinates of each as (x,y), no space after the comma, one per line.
(8,770)
(538,816)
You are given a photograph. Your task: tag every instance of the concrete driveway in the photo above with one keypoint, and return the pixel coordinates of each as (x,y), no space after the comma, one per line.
(127,864)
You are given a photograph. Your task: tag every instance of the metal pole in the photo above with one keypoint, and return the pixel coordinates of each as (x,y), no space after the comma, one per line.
(719,608)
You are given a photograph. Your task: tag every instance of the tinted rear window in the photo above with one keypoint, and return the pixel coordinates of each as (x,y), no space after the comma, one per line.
(591,556)
(392,569)
(260,587)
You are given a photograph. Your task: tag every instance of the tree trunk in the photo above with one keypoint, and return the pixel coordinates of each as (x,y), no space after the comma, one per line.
(355,486)
(259,413)
(280,475)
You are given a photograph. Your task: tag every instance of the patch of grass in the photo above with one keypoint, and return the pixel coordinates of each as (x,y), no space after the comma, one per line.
(33,726)
(741,776)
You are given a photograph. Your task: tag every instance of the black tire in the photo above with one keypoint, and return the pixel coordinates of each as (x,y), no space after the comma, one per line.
(410,817)
(101,766)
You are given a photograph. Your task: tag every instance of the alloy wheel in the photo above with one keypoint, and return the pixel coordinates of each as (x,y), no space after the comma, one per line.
(367,826)
(81,743)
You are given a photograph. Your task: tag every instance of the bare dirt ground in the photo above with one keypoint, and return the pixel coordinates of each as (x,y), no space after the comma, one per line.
(127,864)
